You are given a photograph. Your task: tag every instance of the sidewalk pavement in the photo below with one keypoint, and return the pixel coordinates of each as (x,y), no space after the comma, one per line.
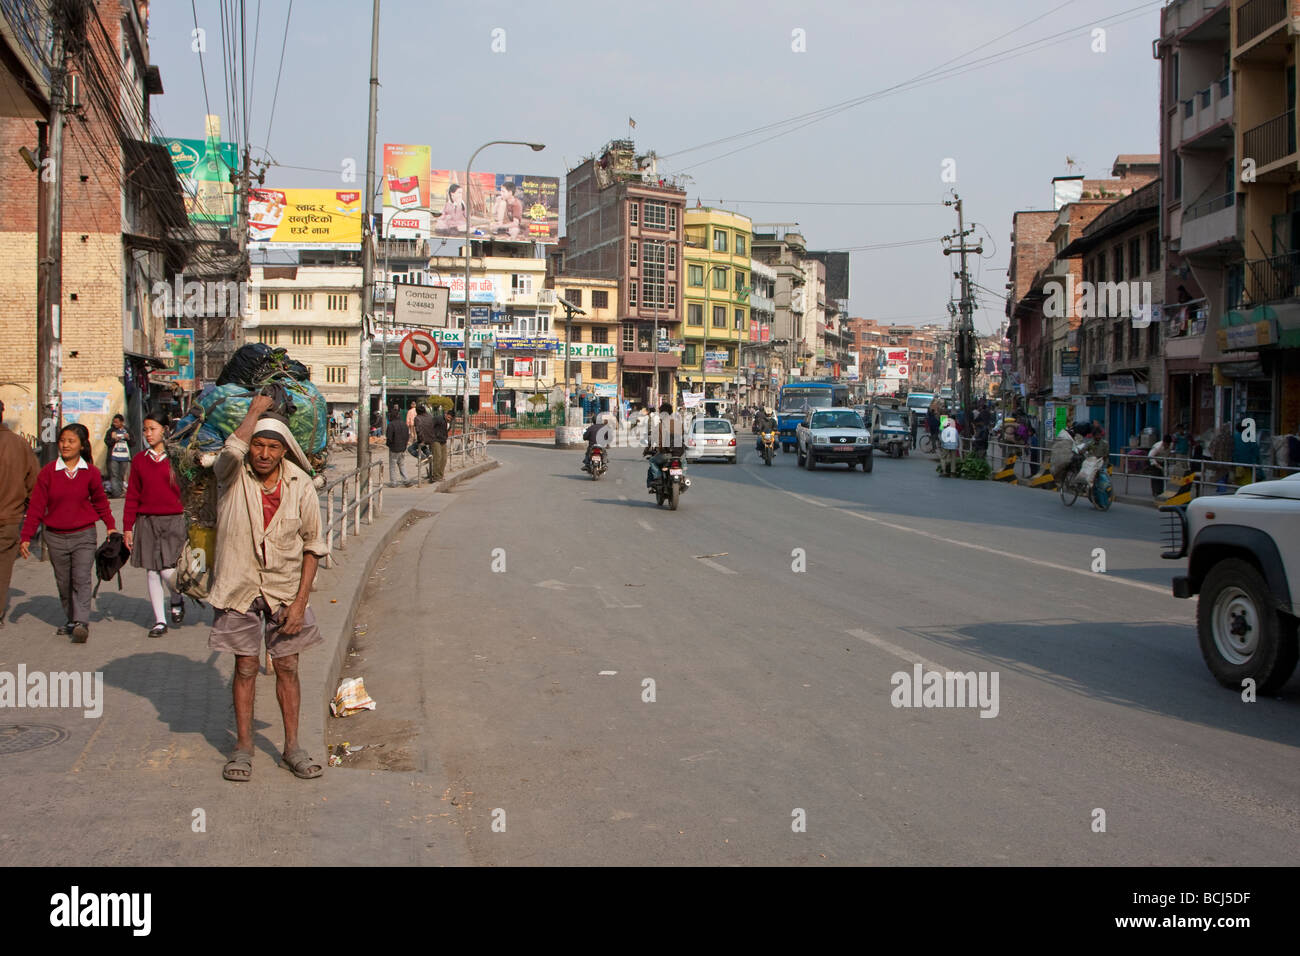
(141,783)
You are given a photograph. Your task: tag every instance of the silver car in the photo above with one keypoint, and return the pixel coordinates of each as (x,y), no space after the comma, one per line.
(711,438)
(833,434)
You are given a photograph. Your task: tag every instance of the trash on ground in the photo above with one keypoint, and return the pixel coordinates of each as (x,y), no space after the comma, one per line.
(351,698)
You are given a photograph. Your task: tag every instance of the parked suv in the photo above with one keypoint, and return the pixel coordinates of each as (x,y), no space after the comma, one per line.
(1243,554)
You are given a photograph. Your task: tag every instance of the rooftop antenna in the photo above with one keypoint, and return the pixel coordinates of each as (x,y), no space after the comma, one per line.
(1071,166)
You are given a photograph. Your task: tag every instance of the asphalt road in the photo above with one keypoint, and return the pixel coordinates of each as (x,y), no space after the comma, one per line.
(545,602)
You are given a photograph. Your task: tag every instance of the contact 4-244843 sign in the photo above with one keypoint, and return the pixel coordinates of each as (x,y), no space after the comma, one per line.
(419,351)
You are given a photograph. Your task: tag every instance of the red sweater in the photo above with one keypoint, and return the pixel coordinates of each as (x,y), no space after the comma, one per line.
(67,504)
(150,490)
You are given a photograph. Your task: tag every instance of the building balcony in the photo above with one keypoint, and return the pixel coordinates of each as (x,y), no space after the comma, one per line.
(1209,223)
(1274,278)
(1272,141)
(1259,19)
(1206,111)
(1195,20)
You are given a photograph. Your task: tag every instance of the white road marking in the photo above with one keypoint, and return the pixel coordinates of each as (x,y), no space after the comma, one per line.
(607,673)
(622,497)
(975,547)
(715,566)
(645,524)
(897,651)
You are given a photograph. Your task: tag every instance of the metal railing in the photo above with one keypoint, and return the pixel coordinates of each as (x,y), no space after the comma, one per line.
(353,505)
(1257,16)
(1207,206)
(469,446)
(1271,140)
(1277,277)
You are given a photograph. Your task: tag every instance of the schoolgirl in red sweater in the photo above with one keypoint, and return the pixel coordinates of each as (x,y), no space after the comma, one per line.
(154,520)
(68,500)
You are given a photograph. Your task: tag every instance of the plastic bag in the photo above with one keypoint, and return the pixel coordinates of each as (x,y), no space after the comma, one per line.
(1088,470)
(255,364)
(351,698)
(217,412)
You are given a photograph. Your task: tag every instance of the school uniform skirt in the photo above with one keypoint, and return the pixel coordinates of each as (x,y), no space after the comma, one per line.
(158,541)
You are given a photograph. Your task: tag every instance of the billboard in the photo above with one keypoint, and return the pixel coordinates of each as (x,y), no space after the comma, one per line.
(179,343)
(509,206)
(896,366)
(305,218)
(837,272)
(406,192)
(205,176)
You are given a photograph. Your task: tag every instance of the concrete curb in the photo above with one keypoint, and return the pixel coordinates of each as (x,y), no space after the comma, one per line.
(527,442)
(336,620)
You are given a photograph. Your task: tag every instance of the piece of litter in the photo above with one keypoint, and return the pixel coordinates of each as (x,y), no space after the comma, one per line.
(353,749)
(720,554)
(334,600)
(351,698)
(607,673)
(335,761)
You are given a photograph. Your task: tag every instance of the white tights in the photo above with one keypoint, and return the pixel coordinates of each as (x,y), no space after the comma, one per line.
(156,581)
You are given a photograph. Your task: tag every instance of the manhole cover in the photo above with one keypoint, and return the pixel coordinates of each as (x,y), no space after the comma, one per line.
(17,738)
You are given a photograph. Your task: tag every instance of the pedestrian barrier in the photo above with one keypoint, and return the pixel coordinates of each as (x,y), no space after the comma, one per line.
(469,445)
(357,499)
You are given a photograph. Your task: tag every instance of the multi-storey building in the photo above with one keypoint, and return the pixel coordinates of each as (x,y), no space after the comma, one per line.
(592,342)
(124,221)
(716,294)
(623,222)
(756,355)
(783,250)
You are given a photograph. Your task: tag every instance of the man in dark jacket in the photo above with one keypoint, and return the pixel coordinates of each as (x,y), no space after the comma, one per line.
(439,429)
(398,436)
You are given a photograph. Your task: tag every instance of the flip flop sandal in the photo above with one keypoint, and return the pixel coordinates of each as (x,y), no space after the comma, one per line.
(300,764)
(239,768)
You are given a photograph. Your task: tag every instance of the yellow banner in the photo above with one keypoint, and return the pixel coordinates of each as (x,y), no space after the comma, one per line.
(304,218)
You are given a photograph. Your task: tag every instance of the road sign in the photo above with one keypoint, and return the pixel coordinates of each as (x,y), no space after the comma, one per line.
(458,367)
(419,351)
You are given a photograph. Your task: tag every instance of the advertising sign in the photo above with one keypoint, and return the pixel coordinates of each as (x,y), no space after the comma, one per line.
(305,218)
(406,192)
(421,305)
(524,366)
(481,288)
(895,367)
(527,343)
(591,351)
(505,206)
(1070,363)
(714,361)
(205,173)
(180,344)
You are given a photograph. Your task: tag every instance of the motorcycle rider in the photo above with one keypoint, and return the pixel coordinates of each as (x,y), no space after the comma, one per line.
(597,433)
(664,438)
(763,422)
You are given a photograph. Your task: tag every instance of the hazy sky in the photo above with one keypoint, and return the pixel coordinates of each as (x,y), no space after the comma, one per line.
(572,72)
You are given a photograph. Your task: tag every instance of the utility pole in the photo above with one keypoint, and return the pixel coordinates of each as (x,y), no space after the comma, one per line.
(966,328)
(368,267)
(49,252)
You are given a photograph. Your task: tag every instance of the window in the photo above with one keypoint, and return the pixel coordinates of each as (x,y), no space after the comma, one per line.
(336,303)
(1117,342)
(740,245)
(1099,270)
(600,334)
(672,295)
(539,368)
(738,319)
(740,282)
(600,370)
(719,240)
(576,333)
(656,215)
(301,301)
(1135,338)
(336,374)
(689,357)
(672,257)
(573,297)
(1153,250)
(672,217)
(631,254)
(1117,258)
(521,283)
(1153,338)
(302,336)
(631,293)
(267,301)
(632,211)
(1135,258)
(336,337)
(629,337)
(720,278)
(653,257)
(600,299)
(719,316)
(695,276)
(269,336)
(694,313)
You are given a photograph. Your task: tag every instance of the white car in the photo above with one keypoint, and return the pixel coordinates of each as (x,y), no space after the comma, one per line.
(711,438)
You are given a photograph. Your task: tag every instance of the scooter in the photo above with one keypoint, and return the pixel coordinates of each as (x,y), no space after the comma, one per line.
(768,445)
(596,467)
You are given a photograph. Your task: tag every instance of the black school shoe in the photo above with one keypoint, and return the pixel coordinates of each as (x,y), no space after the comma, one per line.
(177,611)
(158,630)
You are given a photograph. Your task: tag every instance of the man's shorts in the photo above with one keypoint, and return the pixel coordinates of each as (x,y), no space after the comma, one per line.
(242,632)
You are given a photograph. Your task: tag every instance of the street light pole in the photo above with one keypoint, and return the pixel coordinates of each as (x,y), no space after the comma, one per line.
(535,147)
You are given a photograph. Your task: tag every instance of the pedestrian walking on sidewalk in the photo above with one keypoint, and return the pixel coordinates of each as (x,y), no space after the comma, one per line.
(423,436)
(950,444)
(398,437)
(67,500)
(268,547)
(153,521)
(118,440)
(18,471)
(440,427)
(1158,464)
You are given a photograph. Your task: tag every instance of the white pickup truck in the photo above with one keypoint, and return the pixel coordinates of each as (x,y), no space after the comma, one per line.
(1243,565)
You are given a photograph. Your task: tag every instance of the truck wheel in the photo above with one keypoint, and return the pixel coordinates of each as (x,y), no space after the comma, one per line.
(1241,633)
(809,461)
(798,456)
(866,464)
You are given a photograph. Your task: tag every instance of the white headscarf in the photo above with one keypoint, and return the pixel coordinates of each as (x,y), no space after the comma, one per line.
(278,430)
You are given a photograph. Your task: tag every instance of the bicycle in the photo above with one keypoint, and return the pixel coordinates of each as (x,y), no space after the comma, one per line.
(1098,491)
(927,444)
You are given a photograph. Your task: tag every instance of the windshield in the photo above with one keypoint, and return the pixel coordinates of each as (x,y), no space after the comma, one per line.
(813,398)
(840,419)
(919,401)
(892,420)
(710,427)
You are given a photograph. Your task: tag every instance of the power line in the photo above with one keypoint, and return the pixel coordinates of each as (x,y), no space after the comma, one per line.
(278,73)
(796,202)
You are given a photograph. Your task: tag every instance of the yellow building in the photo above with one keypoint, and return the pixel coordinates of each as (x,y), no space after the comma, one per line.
(594,339)
(716,297)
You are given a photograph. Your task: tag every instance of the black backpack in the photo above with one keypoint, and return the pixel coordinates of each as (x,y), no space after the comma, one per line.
(110,559)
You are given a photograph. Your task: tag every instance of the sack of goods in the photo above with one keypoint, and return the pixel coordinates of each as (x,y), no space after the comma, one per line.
(1089,469)
(1062,455)
(216,412)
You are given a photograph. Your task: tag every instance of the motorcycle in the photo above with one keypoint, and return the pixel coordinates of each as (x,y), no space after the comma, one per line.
(670,484)
(767,445)
(1087,478)
(596,467)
